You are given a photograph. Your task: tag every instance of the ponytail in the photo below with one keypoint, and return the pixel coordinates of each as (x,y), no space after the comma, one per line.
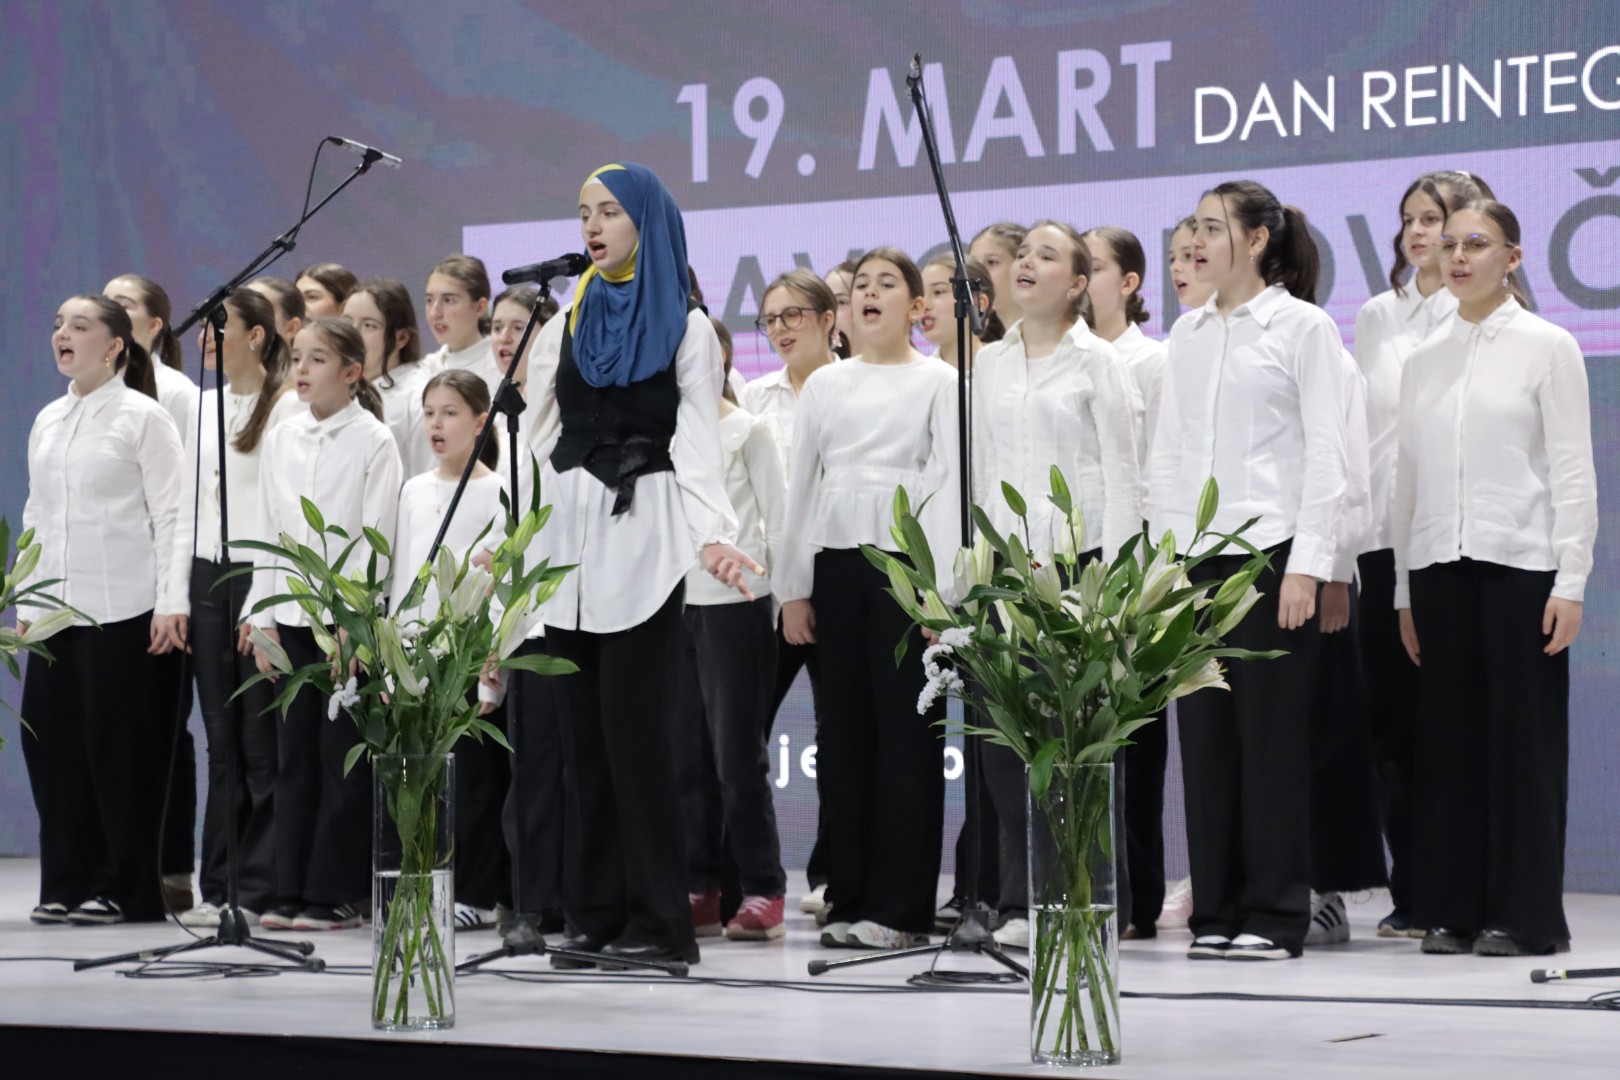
(367,396)
(256,311)
(155,299)
(993,328)
(1290,258)
(1131,259)
(136,364)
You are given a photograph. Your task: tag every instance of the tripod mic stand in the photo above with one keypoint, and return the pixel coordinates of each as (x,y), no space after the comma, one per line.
(971,934)
(524,937)
(233,929)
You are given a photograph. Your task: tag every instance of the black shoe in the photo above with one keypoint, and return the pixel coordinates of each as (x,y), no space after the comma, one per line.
(48,913)
(1441,940)
(1398,924)
(97,911)
(576,943)
(1255,947)
(635,950)
(1501,943)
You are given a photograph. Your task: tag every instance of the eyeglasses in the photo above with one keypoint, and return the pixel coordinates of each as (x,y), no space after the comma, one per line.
(791,318)
(1474,244)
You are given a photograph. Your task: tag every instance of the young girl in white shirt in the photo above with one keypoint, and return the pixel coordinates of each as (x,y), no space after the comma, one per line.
(289,304)
(381,309)
(1118,268)
(103,489)
(884,419)
(342,457)
(241,734)
(1254,396)
(1494,523)
(457,309)
(325,288)
(1388,328)
(938,322)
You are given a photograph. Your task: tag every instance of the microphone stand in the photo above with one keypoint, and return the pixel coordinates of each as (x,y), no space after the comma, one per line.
(233,927)
(971,934)
(524,937)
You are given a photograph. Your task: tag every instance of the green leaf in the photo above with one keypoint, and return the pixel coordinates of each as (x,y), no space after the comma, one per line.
(1040,769)
(352,757)
(1015,501)
(378,542)
(1060,493)
(539,664)
(312,515)
(1208,500)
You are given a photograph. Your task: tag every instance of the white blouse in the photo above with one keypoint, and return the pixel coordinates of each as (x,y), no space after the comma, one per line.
(103,492)
(1144,359)
(197,530)
(773,396)
(1256,400)
(626,566)
(1388,328)
(1072,409)
(178,396)
(863,430)
(478,358)
(422,503)
(1356,513)
(1495,457)
(756,484)
(402,412)
(348,466)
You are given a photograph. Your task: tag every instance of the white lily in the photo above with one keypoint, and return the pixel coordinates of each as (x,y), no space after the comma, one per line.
(470,595)
(1210,676)
(514,626)
(27,560)
(1230,621)
(46,625)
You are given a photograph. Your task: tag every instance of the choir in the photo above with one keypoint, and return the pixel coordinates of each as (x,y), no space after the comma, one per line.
(1427,500)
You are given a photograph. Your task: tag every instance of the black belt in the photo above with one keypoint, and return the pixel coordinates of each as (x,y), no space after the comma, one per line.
(616,463)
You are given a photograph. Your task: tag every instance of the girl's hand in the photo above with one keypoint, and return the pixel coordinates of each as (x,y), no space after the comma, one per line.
(1409,636)
(799,622)
(1335,606)
(1296,601)
(244,639)
(1561,619)
(726,564)
(168,632)
(261,659)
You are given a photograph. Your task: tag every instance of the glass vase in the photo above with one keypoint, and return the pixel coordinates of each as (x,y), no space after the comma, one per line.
(1074,931)
(413,947)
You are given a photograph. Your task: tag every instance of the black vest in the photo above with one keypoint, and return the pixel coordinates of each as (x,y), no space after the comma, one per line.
(617,433)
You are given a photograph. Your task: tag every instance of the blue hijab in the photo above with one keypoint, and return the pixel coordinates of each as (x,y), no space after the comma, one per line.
(627,325)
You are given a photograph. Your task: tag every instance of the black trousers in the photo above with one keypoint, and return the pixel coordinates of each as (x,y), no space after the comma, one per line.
(722,760)
(626,872)
(1144,761)
(322,818)
(790,660)
(1347,846)
(1246,760)
(171,693)
(95,761)
(1492,778)
(881,764)
(534,816)
(241,737)
(483,775)
(978,847)
(1391,681)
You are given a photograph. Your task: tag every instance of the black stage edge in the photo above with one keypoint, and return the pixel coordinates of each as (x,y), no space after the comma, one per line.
(66,1052)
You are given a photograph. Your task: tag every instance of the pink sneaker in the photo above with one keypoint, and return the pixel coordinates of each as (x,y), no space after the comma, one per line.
(705,912)
(759,919)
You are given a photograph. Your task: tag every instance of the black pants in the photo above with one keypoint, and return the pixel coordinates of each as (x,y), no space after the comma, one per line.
(241,736)
(95,759)
(534,818)
(790,660)
(722,762)
(1347,847)
(1392,694)
(1144,761)
(323,818)
(1492,776)
(1246,755)
(483,775)
(626,872)
(881,764)
(171,694)
(978,848)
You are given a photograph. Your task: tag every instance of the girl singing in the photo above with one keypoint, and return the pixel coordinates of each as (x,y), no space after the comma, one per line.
(457,309)
(381,309)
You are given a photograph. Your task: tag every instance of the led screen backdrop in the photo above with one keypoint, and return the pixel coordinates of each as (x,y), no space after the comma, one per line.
(175,139)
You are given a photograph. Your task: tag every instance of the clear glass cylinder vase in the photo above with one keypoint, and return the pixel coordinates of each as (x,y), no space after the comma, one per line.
(413,946)
(1074,919)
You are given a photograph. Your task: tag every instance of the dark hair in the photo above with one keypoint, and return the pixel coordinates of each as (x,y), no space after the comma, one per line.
(335,279)
(289,301)
(525,297)
(726,349)
(134,361)
(1506,220)
(1190,223)
(900,260)
(255,311)
(393,302)
(166,346)
(842,347)
(815,290)
(468,271)
(695,297)
(1128,254)
(1465,188)
(979,275)
(1290,258)
(1080,260)
(1010,233)
(475,392)
(346,341)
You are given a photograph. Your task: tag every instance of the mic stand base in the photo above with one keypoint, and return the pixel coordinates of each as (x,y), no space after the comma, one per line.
(233,932)
(524,939)
(970,935)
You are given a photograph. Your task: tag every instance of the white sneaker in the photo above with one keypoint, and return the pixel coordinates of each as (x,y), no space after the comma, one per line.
(813,901)
(1013,934)
(204,914)
(1178,903)
(835,935)
(1330,923)
(474,918)
(867,934)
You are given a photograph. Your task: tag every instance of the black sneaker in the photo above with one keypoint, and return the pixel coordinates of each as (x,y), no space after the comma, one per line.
(1442,941)
(47,914)
(1255,947)
(320,917)
(1502,943)
(946,918)
(1209,947)
(281,917)
(98,911)
(1398,924)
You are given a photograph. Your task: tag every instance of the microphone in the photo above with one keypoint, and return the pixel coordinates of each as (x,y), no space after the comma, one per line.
(364,151)
(567,265)
(914,75)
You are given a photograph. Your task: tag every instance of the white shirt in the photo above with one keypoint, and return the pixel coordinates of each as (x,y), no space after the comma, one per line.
(1255,399)
(627,566)
(756,484)
(242,476)
(1356,513)
(863,430)
(1072,409)
(1388,328)
(1144,359)
(478,358)
(402,412)
(348,466)
(1495,457)
(422,504)
(773,396)
(103,491)
(178,396)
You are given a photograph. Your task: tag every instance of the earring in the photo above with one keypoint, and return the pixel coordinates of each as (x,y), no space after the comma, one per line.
(106,361)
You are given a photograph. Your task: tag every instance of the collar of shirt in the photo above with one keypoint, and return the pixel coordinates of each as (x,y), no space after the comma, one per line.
(98,399)
(1077,336)
(776,380)
(1262,307)
(332,424)
(1491,325)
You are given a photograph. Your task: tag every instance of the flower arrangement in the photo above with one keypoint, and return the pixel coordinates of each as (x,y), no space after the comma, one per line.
(15,591)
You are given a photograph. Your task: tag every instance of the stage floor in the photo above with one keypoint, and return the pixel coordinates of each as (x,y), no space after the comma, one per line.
(866,1016)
